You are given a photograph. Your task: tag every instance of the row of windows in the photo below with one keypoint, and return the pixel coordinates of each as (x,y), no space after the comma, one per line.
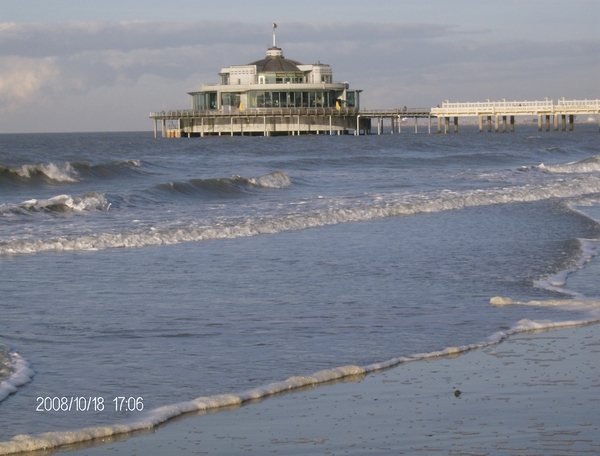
(259,99)
(269,99)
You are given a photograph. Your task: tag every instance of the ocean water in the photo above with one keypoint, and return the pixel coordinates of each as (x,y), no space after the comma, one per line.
(138,275)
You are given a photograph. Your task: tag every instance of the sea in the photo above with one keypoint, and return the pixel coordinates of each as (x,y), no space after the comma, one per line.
(144,278)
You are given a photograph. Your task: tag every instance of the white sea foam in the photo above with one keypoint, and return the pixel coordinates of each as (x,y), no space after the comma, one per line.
(59,173)
(277,179)
(87,202)
(501,301)
(557,281)
(21,374)
(588,165)
(160,415)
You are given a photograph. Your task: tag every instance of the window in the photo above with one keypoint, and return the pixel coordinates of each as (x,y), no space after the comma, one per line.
(350,99)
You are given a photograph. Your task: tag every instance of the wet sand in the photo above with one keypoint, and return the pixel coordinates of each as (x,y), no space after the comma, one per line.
(533,394)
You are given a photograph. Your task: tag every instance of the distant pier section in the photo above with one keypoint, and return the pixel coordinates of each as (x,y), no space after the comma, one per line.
(502,113)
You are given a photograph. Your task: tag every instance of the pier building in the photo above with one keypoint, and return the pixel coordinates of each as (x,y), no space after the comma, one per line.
(270,96)
(280,96)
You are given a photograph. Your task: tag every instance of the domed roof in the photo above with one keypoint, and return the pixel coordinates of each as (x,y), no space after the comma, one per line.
(275,62)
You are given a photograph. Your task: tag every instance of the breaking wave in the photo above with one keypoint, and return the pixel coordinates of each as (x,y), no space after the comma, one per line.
(64,173)
(160,415)
(588,165)
(233,185)
(411,205)
(107,170)
(39,172)
(14,372)
(64,203)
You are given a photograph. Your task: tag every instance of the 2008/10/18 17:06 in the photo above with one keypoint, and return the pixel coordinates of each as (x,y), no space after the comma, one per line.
(88,404)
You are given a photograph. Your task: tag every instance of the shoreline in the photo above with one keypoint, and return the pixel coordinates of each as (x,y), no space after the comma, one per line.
(535,391)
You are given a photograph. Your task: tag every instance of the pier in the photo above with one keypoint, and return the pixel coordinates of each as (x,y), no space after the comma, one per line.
(497,116)
(502,113)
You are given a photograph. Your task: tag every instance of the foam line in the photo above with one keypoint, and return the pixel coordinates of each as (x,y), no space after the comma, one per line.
(559,280)
(415,204)
(588,165)
(159,415)
(22,375)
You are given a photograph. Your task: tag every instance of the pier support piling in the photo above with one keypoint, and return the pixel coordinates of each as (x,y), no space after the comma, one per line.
(455,124)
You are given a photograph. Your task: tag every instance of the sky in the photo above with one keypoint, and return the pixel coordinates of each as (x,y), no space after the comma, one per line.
(89,65)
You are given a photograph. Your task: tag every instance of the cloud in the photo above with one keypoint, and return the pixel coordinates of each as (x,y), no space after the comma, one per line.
(23,79)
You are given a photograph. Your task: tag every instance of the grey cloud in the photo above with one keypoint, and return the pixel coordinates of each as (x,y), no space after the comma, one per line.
(42,40)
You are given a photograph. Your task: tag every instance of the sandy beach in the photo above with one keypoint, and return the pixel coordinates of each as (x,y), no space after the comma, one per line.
(535,393)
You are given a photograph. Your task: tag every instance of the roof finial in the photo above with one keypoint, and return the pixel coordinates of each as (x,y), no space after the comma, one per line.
(274,27)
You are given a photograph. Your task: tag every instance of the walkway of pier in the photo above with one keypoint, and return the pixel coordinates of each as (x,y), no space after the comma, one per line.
(506,111)
(296,121)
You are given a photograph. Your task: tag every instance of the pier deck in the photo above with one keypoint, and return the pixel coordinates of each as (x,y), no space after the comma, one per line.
(296,121)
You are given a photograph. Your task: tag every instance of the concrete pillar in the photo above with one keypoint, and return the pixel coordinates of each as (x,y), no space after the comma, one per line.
(455,124)
(489,123)
(232,126)
(497,122)
(547,122)
(512,124)
(446,125)
(564,122)
(480,123)
(416,125)
(571,121)
(439,122)
(378,125)
(429,127)
(330,126)
(503,124)
(555,122)
(539,122)
(264,125)
(164,128)
(202,128)
(155,128)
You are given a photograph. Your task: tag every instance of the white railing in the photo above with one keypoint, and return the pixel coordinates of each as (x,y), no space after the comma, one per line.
(486,105)
(253,112)
(580,103)
(515,106)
